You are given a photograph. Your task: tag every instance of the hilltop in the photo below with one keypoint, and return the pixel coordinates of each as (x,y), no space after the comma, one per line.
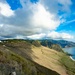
(32,58)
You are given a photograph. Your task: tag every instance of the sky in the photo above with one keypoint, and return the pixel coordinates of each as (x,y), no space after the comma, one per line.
(37,19)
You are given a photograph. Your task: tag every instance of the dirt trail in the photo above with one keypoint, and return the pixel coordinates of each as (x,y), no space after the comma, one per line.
(48,58)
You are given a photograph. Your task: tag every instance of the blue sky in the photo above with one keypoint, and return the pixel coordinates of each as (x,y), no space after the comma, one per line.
(14,4)
(37,19)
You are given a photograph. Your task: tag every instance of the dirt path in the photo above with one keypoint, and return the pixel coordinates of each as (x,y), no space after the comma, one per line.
(48,58)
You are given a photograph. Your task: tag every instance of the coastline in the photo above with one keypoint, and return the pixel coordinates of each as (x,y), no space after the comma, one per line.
(72,58)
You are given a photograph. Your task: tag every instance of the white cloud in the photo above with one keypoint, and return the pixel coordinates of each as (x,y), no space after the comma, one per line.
(36,36)
(66,36)
(1,25)
(52,35)
(33,20)
(70,21)
(19,37)
(5,10)
(56,35)
(42,18)
(65,4)
(55,5)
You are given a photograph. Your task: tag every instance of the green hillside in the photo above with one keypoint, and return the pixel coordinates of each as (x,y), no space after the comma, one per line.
(11,57)
(31,58)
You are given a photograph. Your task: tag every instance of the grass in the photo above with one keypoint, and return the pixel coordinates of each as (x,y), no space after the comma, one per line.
(14,60)
(68,64)
(10,59)
(16,56)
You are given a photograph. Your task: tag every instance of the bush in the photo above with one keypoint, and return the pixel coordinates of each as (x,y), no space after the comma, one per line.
(36,43)
(56,47)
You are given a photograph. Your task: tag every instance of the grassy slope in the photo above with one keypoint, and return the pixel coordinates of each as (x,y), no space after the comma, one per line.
(41,59)
(68,63)
(12,54)
(49,58)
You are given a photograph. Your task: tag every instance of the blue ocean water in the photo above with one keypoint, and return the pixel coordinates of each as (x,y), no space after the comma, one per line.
(70,50)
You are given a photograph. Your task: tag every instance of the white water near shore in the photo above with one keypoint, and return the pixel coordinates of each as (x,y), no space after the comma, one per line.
(70,50)
(72,58)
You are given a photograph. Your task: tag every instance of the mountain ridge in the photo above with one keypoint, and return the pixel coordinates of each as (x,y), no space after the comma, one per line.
(62,43)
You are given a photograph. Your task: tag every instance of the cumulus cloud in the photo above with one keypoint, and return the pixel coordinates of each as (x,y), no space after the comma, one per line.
(65,5)
(54,6)
(33,20)
(5,10)
(42,18)
(52,35)
(56,35)
(37,36)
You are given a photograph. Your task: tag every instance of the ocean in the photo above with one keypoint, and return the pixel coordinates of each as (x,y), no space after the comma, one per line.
(70,50)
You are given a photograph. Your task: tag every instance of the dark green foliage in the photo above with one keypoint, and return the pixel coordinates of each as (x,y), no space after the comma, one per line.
(56,47)
(49,44)
(36,43)
(46,43)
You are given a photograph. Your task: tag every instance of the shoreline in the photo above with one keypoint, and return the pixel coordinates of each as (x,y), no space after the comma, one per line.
(72,58)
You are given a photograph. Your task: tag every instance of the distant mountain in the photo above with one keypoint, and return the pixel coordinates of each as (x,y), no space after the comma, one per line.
(62,43)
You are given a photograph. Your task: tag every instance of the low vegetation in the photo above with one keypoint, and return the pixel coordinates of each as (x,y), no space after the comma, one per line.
(22,65)
(22,54)
(13,55)
(68,64)
(36,43)
(56,47)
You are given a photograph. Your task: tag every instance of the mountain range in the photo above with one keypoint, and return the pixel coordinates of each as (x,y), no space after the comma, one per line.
(62,43)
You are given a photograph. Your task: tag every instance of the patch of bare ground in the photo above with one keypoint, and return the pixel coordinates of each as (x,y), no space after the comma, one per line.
(48,58)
